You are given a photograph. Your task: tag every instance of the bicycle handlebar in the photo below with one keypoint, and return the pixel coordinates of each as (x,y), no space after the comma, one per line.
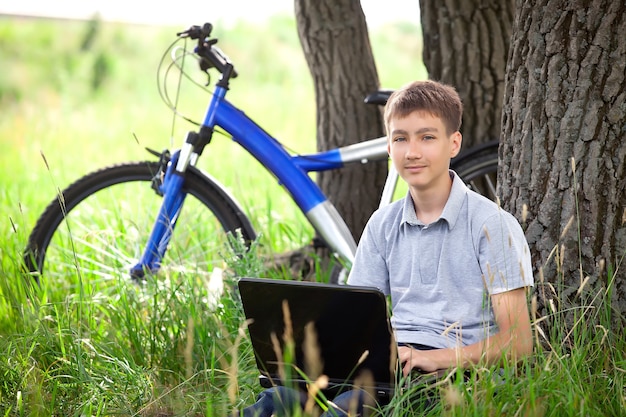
(211,56)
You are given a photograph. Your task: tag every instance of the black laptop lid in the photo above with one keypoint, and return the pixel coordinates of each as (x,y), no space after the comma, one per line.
(349,321)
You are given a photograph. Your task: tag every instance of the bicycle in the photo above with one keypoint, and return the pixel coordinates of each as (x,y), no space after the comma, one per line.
(104,223)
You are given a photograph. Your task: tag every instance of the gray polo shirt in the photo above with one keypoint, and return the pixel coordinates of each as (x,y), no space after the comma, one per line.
(440,275)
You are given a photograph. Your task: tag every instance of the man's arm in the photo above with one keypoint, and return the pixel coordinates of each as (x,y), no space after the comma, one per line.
(512,342)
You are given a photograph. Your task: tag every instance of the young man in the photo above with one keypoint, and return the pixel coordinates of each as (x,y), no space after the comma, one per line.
(455,265)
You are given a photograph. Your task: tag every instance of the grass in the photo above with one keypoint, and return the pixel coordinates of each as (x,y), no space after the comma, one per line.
(176,345)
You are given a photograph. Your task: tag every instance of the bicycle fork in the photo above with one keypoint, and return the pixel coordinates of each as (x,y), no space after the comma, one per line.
(171,188)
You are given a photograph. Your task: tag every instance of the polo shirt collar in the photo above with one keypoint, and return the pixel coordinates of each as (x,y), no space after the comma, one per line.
(451,210)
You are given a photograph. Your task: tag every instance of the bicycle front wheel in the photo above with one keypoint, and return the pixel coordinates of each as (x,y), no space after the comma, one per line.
(99,225)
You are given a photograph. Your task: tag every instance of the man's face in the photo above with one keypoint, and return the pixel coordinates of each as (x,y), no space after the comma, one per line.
(420,149)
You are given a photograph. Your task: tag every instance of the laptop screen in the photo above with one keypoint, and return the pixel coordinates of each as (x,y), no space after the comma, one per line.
(351,324)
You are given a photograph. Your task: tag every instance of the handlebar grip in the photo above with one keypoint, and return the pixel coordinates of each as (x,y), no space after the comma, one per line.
(197,32)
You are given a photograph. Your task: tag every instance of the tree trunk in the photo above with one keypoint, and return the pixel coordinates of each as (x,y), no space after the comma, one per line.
(466,45)
(564,146)
(336,45)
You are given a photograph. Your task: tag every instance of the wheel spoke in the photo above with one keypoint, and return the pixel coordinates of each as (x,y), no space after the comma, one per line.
(479,170)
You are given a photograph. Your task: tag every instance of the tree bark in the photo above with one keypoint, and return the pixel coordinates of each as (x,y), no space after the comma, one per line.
(336,45)
(466,45)
(564,145)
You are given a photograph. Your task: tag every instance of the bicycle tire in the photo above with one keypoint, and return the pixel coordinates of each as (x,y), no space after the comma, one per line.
(479,170)
(99,225)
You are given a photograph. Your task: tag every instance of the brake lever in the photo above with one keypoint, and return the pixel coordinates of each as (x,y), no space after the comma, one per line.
(188,33)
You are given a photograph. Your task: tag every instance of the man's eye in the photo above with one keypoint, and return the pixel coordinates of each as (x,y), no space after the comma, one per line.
(428,137)
(399,139)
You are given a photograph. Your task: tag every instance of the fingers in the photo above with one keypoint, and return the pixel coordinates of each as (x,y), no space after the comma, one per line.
(405,355)
(406,368)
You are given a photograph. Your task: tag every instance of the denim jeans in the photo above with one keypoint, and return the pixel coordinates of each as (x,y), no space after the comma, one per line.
(281,401)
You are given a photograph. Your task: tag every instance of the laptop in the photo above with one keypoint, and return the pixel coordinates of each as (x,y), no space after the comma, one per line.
(351,324)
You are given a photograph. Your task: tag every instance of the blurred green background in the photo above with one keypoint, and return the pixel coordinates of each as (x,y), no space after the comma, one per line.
(78,95)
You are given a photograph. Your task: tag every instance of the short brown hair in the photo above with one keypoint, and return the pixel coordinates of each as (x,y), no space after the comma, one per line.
(438,99)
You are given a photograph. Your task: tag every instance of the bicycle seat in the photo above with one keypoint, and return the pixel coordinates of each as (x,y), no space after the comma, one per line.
(379,97)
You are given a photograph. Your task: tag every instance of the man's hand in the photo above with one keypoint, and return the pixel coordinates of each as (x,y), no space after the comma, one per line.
(416,359)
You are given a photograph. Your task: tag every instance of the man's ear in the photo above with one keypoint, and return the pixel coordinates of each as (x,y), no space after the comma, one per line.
(456,139)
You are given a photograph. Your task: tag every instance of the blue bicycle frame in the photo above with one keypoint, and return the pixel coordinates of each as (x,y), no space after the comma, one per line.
(291,172)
